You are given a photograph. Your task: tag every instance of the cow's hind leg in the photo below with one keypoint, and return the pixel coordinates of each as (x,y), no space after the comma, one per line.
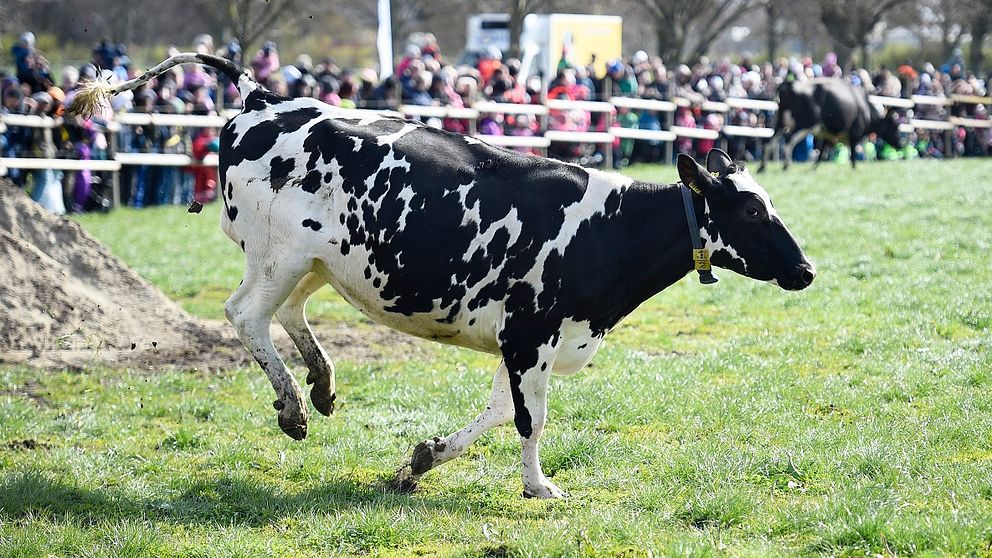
(793,140)
(293,318)
(432,453)
(266,286)
(782,124)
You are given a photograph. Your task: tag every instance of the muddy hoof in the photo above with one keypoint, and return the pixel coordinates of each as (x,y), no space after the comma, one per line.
(424,455)
(403,482)
(545,490)
(292,428)
(323,401)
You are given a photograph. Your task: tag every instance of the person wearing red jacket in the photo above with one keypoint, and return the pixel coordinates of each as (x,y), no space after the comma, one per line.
(205,178)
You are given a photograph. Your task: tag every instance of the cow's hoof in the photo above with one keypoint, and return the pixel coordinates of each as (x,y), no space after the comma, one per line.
(322,393)
(323,400)
(424,456)
(294,428)
(423,459)
(404,482)
(544,489)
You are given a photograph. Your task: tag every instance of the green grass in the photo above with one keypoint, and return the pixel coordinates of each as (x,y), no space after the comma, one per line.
(851,419)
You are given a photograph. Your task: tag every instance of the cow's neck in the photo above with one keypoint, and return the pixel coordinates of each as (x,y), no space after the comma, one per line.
(672,247)
(657,242)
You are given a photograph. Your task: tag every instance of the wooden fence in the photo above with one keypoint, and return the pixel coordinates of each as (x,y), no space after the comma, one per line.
(605,137)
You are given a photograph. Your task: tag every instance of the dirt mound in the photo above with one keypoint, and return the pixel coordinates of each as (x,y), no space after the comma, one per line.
(65,300)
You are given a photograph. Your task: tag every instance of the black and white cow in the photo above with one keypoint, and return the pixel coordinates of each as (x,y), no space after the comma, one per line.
(444,237)
(831,109)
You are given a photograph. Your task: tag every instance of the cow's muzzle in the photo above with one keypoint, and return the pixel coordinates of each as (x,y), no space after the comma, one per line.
(800,278)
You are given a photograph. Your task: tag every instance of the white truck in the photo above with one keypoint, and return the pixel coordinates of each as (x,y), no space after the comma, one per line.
(546,38)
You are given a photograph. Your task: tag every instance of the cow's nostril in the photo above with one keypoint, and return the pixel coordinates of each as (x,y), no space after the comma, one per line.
(808,276)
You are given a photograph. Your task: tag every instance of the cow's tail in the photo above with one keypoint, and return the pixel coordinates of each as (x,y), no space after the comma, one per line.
(96,93)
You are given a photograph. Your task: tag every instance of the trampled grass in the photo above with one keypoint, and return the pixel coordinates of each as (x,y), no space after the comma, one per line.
(854,418)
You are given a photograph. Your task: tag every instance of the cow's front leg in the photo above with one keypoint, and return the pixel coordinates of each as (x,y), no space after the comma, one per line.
(766,147)
(822,155)
(529,390)
(788,146)
(264,288)
(432,453)
(792,141)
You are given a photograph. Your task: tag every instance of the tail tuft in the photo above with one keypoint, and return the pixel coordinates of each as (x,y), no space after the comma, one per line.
(91,97)
(98,92)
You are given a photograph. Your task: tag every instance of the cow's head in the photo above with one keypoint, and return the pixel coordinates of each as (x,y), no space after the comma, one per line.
(887,128)
(742,228)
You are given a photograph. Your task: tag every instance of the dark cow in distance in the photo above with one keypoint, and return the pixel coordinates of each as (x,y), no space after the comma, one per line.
(445,237)
(831,109)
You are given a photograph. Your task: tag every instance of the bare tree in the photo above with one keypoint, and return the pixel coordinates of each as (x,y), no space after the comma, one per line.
(776,25)
(945,19)
(850,24)
(407,15)
(518,11)
(686,29)
(248,20)
(981,27)
(124,21)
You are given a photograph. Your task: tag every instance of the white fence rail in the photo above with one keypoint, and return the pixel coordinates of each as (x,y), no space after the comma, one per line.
(542,112)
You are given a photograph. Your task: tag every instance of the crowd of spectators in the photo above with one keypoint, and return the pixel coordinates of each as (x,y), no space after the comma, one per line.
(32,90)
(425,77)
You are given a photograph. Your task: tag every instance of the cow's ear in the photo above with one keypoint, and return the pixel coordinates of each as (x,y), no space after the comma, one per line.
(717,161)
(693,175)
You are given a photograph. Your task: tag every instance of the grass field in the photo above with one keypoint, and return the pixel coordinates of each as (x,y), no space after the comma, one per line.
(853,419)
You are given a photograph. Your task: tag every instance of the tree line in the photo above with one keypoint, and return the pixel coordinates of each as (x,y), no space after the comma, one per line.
(677,30)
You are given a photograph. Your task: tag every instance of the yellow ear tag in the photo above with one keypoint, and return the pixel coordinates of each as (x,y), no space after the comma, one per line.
(692,185)
(701,257)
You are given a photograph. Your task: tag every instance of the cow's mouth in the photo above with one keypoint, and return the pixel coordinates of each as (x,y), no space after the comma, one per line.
(798,279)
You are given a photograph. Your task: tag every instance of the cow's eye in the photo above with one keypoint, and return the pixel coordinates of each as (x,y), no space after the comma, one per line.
(752,212)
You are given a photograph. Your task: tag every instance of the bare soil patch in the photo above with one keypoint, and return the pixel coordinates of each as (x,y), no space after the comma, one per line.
(67,302)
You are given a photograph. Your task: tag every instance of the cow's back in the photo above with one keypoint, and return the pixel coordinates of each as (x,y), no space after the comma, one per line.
(421,229)
(837,106)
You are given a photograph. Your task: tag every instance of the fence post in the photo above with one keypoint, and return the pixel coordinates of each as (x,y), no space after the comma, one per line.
(544,119)
(115,176)
(219,104)
(608,123)
(669,145)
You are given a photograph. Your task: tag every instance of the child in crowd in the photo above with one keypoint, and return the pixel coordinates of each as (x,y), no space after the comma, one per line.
(47,188)
(205,189)
(523,125)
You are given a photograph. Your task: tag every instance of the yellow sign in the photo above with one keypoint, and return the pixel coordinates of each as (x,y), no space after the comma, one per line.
(585,36)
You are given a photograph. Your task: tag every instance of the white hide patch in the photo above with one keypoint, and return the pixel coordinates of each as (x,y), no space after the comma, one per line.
(593,202)
(577,347)
(390,139)
(716,244)
(746,183)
